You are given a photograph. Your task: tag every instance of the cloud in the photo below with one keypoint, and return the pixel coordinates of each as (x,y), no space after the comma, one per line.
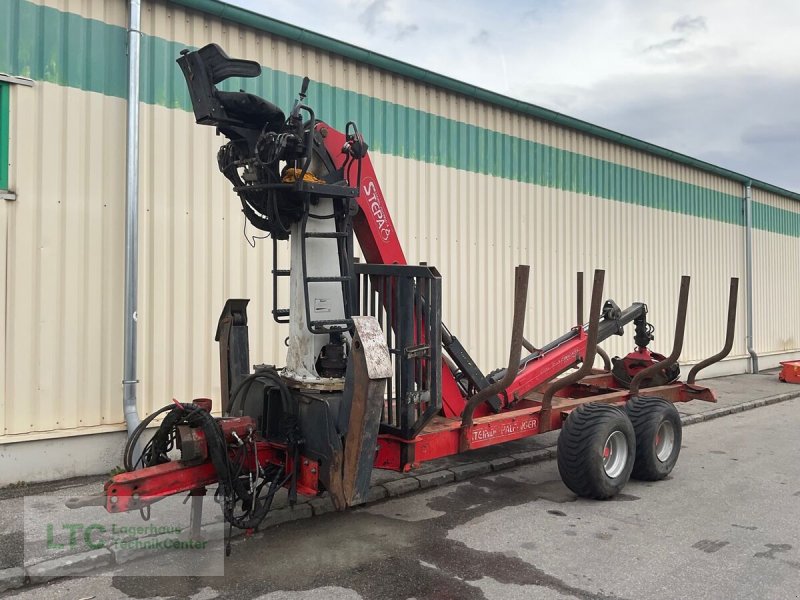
(372,14)
(687,24)
(404,31)
(666,45)
(710,116)
(379,19)
(772,133)
(481,38)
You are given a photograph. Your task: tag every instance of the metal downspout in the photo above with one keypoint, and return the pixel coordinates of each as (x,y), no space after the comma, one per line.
(748,266)
(129,377)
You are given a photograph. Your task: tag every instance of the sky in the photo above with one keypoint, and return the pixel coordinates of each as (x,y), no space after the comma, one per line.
(718,80)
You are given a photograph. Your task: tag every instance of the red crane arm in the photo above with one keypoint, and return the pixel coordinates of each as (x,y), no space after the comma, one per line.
(377,236)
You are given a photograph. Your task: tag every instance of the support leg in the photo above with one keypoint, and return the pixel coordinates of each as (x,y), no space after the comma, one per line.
(196,514)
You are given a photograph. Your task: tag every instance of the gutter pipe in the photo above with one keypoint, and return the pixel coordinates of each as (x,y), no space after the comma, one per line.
(748,266)
(129,377)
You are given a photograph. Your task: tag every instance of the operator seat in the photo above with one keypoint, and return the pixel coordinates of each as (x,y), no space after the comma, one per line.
(250,108)
(207,67)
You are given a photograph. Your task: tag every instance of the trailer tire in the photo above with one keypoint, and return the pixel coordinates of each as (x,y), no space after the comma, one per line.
(658,437)
(596,450)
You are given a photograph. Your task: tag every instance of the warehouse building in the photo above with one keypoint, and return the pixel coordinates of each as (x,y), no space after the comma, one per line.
(476,183)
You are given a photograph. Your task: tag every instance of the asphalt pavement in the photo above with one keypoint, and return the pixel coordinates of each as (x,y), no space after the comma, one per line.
(725,524)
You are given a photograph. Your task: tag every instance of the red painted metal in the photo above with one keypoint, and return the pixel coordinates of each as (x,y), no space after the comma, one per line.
(453,402)
(377,237)
(553,363)
(372,225)
(191,441)
(441,437)
(511,425)
(136,489)
(790,371)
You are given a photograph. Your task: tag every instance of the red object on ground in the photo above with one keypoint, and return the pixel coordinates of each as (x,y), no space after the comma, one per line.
(790,373)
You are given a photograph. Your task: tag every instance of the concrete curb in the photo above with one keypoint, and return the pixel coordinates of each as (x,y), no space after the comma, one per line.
(11,579)
(77,564)
(744,406)
(72,564)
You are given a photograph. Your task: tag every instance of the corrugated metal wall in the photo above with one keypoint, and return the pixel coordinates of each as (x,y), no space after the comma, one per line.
(5,405)
(473,189)
(776,271)
(64,260)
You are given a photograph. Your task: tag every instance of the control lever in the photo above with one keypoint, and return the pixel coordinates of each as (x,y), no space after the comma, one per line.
(298,104)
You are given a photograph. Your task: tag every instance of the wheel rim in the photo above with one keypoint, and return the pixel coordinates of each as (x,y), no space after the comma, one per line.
(665,441)
(615,454)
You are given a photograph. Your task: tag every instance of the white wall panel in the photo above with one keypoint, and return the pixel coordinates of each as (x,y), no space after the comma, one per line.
(64,265)
(113,12)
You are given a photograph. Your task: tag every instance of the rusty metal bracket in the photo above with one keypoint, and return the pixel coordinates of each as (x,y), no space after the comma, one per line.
(589,355)
(677,345)
(729,333)
(520,302)
(579,321)
(234,350)
(528,346)
(606,359)
(368,370)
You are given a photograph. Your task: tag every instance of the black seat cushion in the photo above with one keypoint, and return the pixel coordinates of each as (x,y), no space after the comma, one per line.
(251,109)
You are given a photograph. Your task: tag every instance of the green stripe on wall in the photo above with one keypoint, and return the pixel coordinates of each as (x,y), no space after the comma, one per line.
(64,48)
(776,220)
(4,127)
